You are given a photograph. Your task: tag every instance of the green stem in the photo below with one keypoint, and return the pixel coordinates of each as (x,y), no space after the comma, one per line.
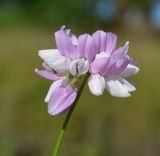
(67,119)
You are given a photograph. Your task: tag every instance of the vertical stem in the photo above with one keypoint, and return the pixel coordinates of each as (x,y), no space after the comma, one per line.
(67,119)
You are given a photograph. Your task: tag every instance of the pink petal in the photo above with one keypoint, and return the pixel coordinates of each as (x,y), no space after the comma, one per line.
(105,41)
(120,65)
(90,49)
(99,65)
(111,40)
(58,83)
(81,45)
(100,40)
(64,44)
(120,52)
(70,34)
(47,74)
(61,99)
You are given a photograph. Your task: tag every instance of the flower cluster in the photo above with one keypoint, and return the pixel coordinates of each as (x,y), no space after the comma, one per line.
(95,55)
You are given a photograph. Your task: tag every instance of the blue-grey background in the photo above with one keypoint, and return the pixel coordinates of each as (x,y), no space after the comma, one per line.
(100,126)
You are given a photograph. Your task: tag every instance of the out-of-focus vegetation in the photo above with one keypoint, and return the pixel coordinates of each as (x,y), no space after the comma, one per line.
(100,126)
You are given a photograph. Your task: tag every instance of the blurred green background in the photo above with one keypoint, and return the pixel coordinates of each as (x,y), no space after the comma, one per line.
(100,126)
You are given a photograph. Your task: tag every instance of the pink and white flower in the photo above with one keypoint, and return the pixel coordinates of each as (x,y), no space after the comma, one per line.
(97,55)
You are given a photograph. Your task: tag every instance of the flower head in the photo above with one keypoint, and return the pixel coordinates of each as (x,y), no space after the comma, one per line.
(74,57)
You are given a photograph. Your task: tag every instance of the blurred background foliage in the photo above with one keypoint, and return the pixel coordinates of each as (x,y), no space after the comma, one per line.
(100,126)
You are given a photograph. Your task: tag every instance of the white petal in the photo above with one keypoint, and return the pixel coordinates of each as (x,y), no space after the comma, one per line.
(129,71)
(119,87)
(73,68)
(83,66)
(96,84)
(79,66)
(48,54)
(130,86)
(55,60)
(61,66)
(53,86)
